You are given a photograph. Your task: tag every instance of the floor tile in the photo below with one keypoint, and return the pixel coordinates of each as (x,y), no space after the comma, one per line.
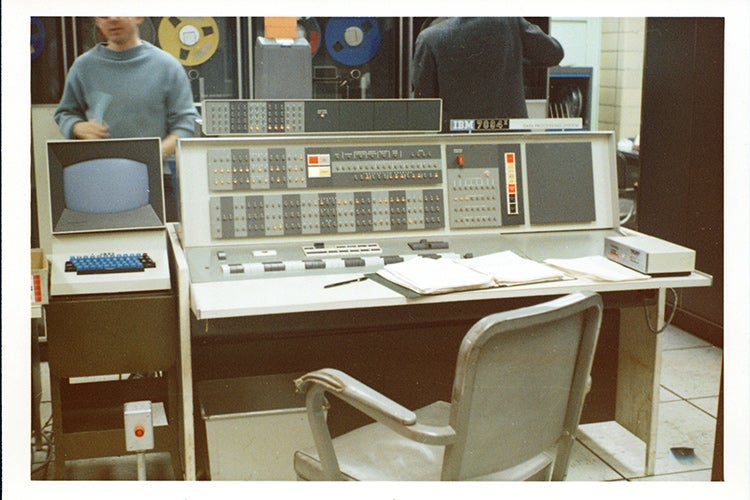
(41,455)
(692,373)
(125,468)
(667,395)
(676,338)
(681,425)
(585,466)
(696,475)
(617,447)
(45,413)
(44,374)
(709,405)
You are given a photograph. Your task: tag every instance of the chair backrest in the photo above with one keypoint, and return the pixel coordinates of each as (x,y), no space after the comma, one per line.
(521,379)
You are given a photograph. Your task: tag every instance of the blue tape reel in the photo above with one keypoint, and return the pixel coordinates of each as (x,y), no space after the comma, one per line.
(352,40)
(38,37)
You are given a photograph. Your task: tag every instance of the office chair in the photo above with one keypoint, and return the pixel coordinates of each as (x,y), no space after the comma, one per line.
(519,387)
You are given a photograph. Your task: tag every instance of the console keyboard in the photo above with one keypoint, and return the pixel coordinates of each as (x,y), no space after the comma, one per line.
(109,263)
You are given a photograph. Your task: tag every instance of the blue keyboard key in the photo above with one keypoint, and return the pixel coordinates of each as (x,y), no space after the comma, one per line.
(109,263)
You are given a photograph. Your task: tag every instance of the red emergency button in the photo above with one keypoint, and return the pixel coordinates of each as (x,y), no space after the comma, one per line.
(139,431)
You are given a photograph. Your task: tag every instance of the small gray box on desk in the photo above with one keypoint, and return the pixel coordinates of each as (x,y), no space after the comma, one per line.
(650,255)
(253,427)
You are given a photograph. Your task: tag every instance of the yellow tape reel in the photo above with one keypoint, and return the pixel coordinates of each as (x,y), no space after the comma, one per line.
(192,40)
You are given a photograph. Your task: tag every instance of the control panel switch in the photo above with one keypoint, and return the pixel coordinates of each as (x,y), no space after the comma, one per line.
(428,245)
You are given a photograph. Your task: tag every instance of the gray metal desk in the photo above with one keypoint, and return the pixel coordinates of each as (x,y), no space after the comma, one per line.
(259,201)
(260,311)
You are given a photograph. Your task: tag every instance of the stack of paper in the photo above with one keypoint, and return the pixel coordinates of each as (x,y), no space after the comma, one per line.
(598,268)
(508,268)
(432,276)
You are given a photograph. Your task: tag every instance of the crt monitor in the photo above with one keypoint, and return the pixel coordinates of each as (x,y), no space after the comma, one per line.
(105,185)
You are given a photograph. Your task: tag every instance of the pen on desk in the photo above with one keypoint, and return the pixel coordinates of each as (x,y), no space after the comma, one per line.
(355,280)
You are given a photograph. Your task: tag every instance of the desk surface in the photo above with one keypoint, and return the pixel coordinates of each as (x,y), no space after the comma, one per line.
(302,293)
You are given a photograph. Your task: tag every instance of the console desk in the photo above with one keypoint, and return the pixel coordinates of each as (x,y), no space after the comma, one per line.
(407,347)
(268,222)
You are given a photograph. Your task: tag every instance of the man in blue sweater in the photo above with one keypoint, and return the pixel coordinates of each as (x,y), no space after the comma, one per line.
(126,87)
(475,64)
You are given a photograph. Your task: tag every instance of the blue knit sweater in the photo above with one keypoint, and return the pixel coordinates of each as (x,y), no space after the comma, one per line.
(139,92)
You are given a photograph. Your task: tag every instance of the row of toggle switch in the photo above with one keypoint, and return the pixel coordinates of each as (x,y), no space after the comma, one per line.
(316,264)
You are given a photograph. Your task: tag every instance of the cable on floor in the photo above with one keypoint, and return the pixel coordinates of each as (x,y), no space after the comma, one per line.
(47,438)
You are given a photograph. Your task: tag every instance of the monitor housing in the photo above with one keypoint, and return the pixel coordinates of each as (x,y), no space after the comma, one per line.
(103,197)
(105,185)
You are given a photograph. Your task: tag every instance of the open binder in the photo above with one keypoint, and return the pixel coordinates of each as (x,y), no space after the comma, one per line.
(432,276)
(429,276)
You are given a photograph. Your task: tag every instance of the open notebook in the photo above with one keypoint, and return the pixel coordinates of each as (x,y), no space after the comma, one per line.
(428,276)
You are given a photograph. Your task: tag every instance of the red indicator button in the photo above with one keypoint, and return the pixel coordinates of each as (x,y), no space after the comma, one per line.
(312,159)
(460,160)
(511,188)
(139,431)
(510,157)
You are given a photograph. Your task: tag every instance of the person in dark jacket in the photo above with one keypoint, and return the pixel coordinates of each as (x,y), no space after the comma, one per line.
(475,64)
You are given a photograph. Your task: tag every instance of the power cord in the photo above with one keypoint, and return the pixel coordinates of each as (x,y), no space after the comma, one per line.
(47,440)
(669,320)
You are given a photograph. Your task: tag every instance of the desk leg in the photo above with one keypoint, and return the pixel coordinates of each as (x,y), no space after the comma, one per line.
(185,363)
(57,426)
(639,372)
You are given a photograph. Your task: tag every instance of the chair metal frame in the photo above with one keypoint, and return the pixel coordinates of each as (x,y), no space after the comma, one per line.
(580,310)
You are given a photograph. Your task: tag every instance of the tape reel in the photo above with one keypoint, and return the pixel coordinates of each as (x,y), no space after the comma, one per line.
(191,40)
(309,29)
(38,37)
(352,40)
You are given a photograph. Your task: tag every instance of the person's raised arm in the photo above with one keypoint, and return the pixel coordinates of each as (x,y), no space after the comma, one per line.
(70,114)
(424,78)
(539,48)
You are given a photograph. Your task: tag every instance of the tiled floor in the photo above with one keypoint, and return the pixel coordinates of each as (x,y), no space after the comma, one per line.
(691,369)
(604,452)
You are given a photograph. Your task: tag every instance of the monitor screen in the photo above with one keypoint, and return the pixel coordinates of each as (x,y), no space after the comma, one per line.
(105,185)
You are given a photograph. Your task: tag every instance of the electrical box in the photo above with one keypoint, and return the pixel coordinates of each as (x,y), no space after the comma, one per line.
(39,277)
(649,255)
(282,69)
(139,426)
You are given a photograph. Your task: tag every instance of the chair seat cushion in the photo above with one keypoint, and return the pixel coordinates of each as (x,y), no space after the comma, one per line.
(376,453)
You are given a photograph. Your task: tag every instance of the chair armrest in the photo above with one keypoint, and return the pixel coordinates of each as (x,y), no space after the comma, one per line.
(353,391)
(376,406)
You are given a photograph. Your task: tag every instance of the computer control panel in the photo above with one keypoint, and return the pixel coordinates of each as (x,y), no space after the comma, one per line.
(302,191)
(243,117)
